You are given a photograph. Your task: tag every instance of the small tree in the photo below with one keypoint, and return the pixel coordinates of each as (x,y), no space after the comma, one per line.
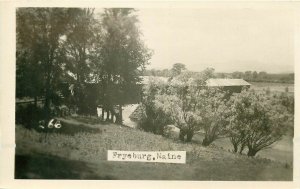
(184,118)
(215,115)
(287,101)
(236,130)
(178,101)
(153,119)
(192,106)
(257,121)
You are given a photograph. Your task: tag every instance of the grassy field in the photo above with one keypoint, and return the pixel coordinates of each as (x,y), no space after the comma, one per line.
(281,150)
(274,87)
(79,151)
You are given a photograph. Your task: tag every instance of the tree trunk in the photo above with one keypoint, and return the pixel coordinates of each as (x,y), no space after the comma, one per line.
(182,134)
(242,148)
(47,104)
(189,136)
(102,114)
(107,115)
(207,141)
(112,115)
(35,102)
(235,148)
(120,114)
(252,152)
(119,117)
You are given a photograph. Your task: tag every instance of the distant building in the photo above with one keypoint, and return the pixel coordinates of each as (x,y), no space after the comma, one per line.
(232,85)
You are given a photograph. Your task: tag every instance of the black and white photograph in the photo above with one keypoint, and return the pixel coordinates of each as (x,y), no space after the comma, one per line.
(154,93)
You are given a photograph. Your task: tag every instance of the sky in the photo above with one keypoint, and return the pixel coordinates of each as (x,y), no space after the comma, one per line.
(237,39)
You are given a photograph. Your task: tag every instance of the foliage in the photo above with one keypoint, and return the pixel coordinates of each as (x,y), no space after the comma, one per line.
(191,106)
(123,53)
(79,42)
(177,69)
(257,121)
(28,115)
(215,115)
(152,119)
(72,45)
(39,57)
(287,101)
(157,72)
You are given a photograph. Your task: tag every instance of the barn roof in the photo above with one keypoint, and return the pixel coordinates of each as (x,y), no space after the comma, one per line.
(226,82)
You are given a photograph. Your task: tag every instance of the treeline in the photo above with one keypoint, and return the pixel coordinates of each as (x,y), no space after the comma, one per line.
(253,76)
(249,119)
(70,49)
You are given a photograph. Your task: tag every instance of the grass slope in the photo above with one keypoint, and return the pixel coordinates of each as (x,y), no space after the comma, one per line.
(79,151)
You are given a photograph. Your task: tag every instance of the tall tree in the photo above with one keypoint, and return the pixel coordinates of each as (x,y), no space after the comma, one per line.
(215,115)
(39,32)
(124,55)
(79,47)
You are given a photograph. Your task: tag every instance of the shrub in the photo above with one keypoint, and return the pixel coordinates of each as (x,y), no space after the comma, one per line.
(257,121)
(153,122)
(152,119)
(28,115)
(287,101)
(191,106)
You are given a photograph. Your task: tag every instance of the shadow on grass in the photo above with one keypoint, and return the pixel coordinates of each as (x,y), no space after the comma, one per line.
(72,129)
(89,120)
(52,167)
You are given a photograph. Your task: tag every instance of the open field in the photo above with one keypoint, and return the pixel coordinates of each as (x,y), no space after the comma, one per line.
(79,151)
(274,87)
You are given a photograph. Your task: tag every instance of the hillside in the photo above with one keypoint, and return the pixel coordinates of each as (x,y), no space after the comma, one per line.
(79,151)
